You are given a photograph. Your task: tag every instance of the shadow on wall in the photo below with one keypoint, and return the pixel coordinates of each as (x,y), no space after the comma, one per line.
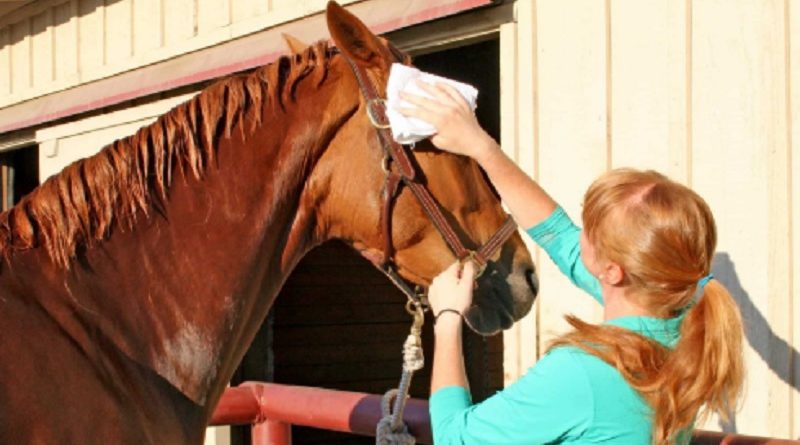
(775,351)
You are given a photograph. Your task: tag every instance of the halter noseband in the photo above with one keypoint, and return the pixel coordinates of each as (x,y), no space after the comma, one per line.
(406,174)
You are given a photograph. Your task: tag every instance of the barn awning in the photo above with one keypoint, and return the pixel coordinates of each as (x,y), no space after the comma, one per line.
(236,55)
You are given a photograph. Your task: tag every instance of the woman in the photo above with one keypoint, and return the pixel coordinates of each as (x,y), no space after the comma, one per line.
(671,340)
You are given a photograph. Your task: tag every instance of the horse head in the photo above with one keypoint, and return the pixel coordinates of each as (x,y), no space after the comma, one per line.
(350,178)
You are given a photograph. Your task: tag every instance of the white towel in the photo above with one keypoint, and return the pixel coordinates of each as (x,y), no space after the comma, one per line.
(407,130)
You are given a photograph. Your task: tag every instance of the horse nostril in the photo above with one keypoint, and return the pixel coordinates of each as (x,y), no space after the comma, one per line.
(533,282)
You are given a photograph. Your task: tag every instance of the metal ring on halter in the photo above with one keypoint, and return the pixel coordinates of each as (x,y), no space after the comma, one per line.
(473,256)
(385,164)
(371,114)
(412,306)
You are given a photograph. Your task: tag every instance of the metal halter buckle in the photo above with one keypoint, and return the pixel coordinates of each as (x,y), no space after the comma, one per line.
(385,164)
(473,256)
(372,114)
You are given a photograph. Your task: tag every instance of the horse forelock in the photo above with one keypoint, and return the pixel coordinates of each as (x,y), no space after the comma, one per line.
(128,177)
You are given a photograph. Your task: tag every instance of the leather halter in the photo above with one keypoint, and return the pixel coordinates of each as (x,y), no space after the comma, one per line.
(404,173)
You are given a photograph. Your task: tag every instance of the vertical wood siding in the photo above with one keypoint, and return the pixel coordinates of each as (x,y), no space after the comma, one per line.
(148,26)
(739,155)
(119,32)
(21,55)
(573,143)
(792,25)
(66,41)
(705,91)
(91,35)
(180,21)
(5,61)
(51,45)
(42,43)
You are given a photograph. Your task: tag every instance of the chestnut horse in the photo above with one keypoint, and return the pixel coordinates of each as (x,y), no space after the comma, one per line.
(133,281)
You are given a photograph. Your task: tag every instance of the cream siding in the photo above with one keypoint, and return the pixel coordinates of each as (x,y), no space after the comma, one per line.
(706,92)
(94,39)
(119,32)
(218,436)
(42,43)
(21,60)
(148,29)
(792,29)
(242,10)
(180,21)
(739,156)
(213,14)
(91,36)
(572,144)
(520,346)
(647,83)
(66,42)
(5,61)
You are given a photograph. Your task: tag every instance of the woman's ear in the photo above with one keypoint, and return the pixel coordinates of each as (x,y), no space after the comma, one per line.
(612,274)
(354,39)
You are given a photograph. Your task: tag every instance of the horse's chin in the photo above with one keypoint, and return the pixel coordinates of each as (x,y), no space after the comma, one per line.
(488,321)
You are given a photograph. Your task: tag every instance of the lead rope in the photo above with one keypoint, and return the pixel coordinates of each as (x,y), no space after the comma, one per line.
(391,430)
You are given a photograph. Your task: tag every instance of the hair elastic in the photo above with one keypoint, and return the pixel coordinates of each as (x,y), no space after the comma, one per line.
(444,311)
(703,281)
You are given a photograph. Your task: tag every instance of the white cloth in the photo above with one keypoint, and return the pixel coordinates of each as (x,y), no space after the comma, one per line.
(407,130)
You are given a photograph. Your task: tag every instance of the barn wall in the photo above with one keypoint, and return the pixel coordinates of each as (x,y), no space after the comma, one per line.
(52,45)
(704,91)
(65,143)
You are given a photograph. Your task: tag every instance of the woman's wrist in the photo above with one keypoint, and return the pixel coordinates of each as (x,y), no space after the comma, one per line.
(486,151)
(445,311)
(447,321)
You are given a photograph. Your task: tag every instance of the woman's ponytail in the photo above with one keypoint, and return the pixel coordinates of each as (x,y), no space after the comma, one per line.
(705,369)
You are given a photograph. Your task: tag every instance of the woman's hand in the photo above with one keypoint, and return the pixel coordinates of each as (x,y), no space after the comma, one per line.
(452,289)
(457,128)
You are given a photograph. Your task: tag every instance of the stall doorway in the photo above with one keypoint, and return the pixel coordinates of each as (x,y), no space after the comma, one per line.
(19,174)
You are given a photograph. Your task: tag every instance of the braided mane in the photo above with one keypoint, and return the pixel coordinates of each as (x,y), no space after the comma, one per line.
(92,196)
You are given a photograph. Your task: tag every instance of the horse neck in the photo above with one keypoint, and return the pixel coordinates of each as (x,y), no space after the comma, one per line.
(184,291)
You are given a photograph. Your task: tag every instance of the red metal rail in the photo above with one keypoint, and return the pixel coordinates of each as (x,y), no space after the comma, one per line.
(272,409)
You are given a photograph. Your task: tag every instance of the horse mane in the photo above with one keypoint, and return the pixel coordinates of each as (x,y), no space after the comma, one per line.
(90,197)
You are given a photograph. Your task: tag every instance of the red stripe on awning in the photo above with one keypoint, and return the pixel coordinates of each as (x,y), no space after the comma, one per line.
(236,55)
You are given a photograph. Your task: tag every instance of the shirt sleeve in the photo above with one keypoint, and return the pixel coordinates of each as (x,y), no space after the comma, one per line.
(553,400)
(560,238)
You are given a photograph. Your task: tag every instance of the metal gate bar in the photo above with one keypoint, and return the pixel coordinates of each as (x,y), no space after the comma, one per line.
(271,409)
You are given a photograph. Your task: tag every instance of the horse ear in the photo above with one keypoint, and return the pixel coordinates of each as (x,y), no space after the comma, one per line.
(296,46)
(354,39)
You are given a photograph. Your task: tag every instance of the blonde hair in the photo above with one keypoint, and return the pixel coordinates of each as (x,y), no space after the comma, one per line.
(663,236)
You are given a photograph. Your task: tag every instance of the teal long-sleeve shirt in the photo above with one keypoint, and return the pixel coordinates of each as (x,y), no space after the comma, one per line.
(569,396)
